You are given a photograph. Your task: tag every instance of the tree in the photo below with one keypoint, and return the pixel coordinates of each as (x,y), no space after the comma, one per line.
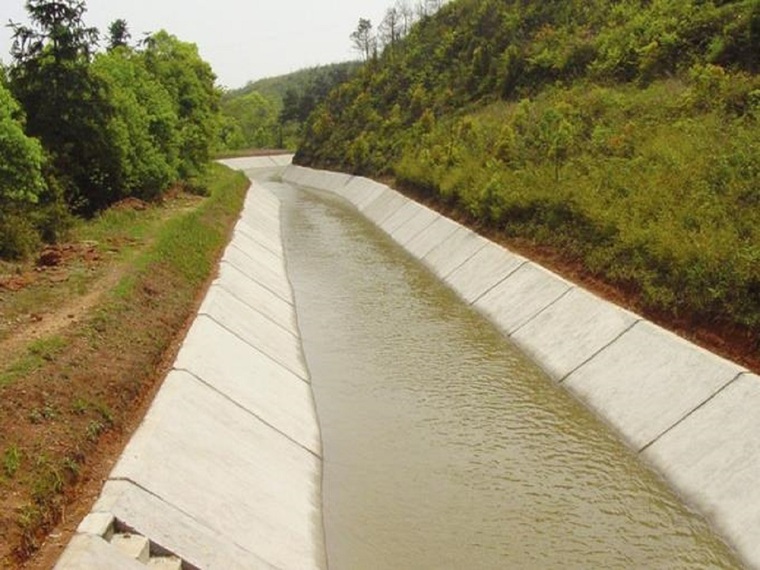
(189,80)
(426,8)
(143,128)
(406,17)
(291,102)
(30,209)
(66,105)
(390,27)
(118,34)
(21,168)
(363,39)
(57,28)
(257,118)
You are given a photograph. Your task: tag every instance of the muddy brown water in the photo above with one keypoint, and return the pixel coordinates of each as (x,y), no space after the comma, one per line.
(444,446)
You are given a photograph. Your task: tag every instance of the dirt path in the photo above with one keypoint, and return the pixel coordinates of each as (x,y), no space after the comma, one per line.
(45,324)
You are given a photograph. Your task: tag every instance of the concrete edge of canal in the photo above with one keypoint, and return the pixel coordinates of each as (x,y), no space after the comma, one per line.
(225,469)
(691,414)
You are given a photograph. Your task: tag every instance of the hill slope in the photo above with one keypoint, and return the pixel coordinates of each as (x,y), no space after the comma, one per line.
(622,136)
(270,112)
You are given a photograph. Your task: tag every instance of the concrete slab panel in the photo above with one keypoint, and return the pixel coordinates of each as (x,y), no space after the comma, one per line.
(294,174)
(259,191)
(174,530)
(422,220)
(98,524)
(713,458)
(246,162)
(521,296)
(400,217)
(266,223)
(384,206)
(257,297)
(268,239)
(431,238)
(310,178)
(255,329)
(257,270)
(260,489)
(452,246)
(330,181)
(262,213)
(261,201)
(282,159)
(251,247)
(252,380)
(648,380)
(482,272)
(362,192)
(86,551)
(570,331)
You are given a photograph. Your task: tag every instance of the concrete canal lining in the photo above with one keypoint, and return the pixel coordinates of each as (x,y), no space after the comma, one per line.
(689,413)
(225,470)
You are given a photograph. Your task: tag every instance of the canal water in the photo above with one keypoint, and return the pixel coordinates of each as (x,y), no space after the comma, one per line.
(445,447)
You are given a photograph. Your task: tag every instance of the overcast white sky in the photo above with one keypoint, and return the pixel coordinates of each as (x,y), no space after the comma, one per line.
(243,40)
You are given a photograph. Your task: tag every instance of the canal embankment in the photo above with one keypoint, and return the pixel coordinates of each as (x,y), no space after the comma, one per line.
(225,469)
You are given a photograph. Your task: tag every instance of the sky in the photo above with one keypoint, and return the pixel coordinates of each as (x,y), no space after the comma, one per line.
(243,40)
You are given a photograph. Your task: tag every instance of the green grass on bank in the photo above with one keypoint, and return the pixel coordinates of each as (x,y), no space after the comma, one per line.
(656,190)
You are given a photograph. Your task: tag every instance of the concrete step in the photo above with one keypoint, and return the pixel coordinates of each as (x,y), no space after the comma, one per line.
(165,563)
(133,545)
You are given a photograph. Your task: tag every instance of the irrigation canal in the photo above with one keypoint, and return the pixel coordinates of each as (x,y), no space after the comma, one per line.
(444,446)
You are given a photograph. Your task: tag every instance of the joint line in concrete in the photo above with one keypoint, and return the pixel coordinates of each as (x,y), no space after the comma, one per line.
(387,217)
(411,239)
(253,239)
(158,497)
(688,414)
(602,349)
(267,317)
(275,293)
(277,254)
(257,349)
(248,411)
(196,520)
(502,280)
(542,309)
(450,273)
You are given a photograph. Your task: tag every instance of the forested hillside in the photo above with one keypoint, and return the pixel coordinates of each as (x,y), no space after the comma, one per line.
(623,136)
(270,113)
(83,127)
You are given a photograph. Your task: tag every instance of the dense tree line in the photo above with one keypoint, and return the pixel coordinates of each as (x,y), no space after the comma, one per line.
(82,128)
(624,134)
(269,113)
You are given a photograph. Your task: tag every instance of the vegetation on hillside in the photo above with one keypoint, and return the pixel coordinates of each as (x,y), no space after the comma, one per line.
(81,128)
(624,135)
(270,113)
